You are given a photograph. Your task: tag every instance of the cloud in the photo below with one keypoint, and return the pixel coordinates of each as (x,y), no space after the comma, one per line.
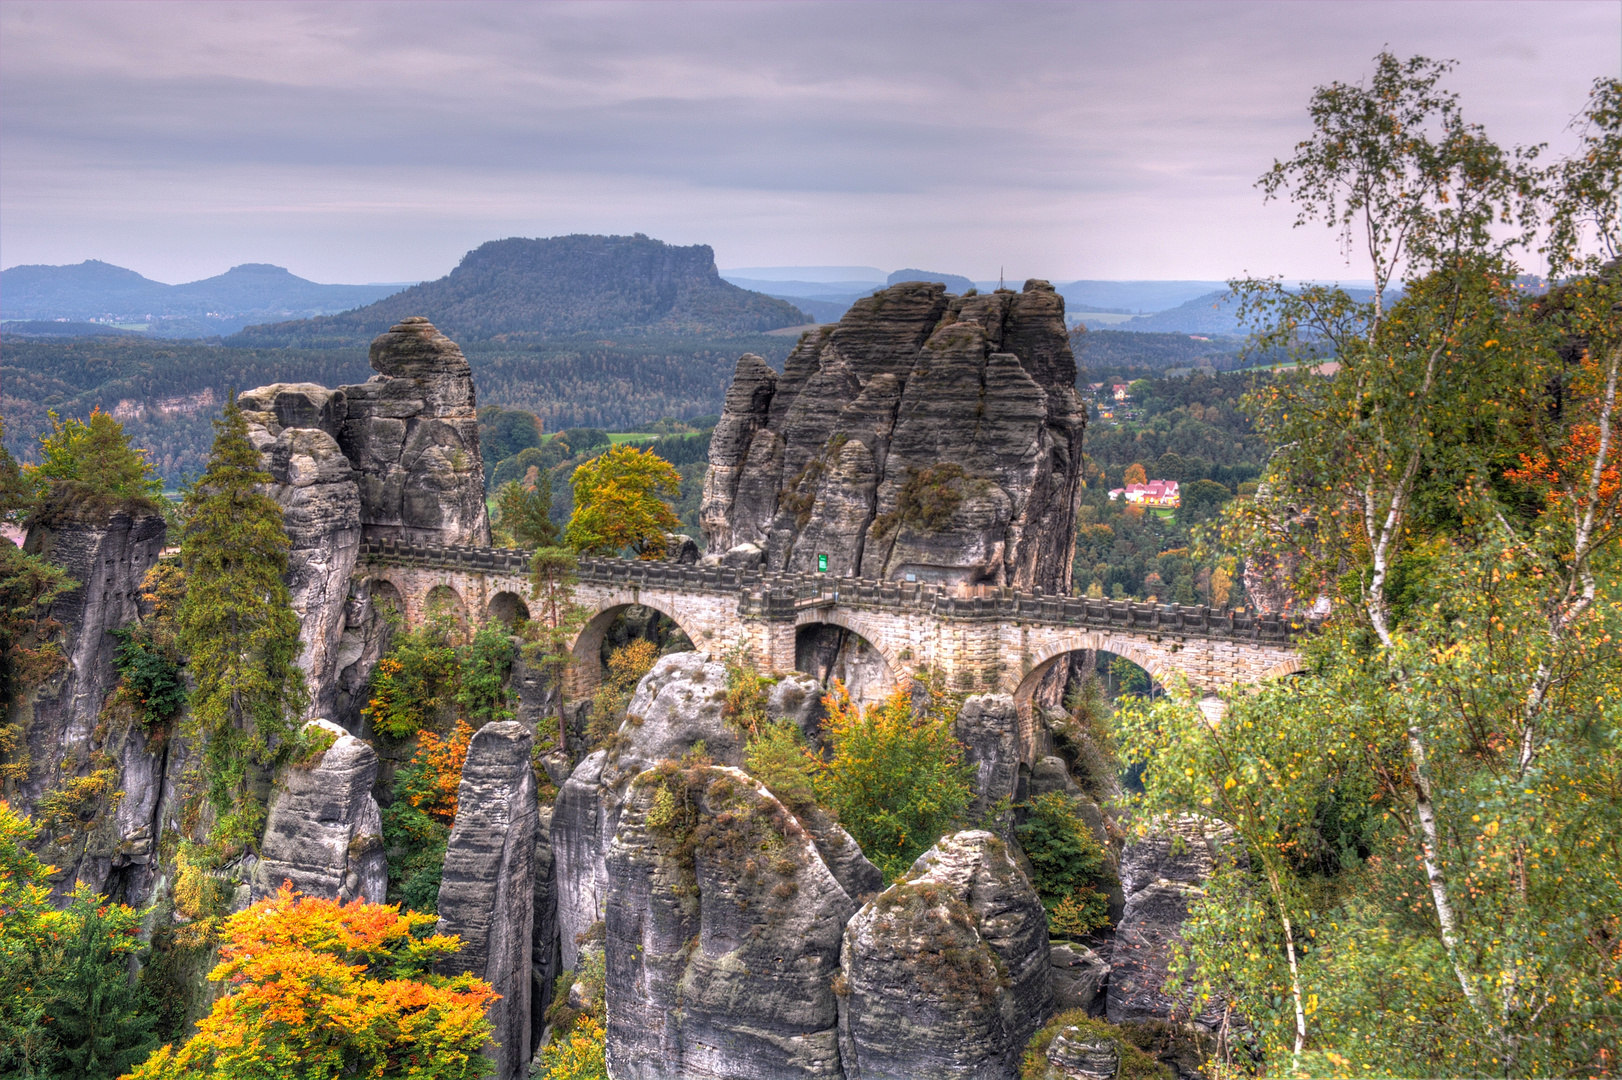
(381,141)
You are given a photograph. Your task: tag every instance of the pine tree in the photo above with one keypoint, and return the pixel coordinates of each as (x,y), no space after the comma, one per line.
(101,1020)
(237,625)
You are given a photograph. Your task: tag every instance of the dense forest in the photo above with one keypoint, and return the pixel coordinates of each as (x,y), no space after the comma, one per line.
(174,390)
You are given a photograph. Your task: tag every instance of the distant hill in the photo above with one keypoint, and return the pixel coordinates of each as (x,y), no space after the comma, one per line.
(1212,313)
(1134,296)
(521,289)
(955,283)
(252,292)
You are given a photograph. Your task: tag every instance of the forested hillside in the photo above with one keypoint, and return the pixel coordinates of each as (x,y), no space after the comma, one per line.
(167,393)
(523,289)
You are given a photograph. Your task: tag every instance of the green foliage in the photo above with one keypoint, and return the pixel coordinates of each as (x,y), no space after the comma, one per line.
(413,682)
(151,674)
(100,1018)
(1135,1063)
(90,466)
(505,432)
(237,625)
(896,778)
(1069,864)
(415,843)
(620,504)
(68,1007)
(778,757)
(483,665)
(523,515)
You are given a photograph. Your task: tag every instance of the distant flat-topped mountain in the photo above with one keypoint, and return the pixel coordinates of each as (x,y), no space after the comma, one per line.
(520,288)
(252,292)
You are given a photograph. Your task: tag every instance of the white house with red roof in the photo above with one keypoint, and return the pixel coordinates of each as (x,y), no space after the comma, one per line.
(1154,493)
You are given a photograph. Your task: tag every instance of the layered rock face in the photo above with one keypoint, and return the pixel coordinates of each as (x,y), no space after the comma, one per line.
(988,727)
(924,434)
(293,426)
(946,972)
(397,456)
(324,834)
(676,706)
(412,433)
(487,894)
(723,934)
(1160,874)
(108,551)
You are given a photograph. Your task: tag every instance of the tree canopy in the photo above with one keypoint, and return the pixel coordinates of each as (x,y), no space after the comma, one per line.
(621,503)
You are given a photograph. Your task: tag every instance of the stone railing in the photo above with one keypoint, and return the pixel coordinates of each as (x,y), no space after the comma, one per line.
(785,595)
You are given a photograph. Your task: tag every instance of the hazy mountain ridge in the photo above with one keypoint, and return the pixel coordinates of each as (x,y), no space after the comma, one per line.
(521,289)
(97,290)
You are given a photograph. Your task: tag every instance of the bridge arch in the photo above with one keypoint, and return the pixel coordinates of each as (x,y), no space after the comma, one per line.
(587,649)
(895,669)
(444,599)
(506,608)
(1293,666)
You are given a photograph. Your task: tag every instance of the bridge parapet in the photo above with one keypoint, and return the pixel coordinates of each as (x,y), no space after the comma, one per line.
(785,596)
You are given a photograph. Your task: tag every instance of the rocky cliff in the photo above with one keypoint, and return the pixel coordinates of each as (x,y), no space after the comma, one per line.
(107,840)
(924,434)
(398,457)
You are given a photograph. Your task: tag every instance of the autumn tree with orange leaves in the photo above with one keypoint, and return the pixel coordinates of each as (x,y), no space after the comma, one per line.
(318,988)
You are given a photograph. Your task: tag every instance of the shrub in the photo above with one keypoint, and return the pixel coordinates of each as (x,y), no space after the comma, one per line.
(417,824)
(1069,864)
(778,758)
(896,779)
(413,682)
(1135,1064)
(626,666)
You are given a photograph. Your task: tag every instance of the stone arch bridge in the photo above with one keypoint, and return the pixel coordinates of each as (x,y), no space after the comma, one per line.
(1002,641)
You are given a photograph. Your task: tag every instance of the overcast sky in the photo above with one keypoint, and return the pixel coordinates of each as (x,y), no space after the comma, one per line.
(363,142)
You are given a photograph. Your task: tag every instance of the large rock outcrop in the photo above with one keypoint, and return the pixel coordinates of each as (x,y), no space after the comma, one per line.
(293,426)
(677,706)
(1161,873)
(487,894)
(395,457)
(924,434)
(412,434)
(324,834)
(106,548)
(988,727)
(723,934)
(946,972)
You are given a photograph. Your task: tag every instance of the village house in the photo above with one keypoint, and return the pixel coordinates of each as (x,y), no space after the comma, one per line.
(1121,391)
(1154,493)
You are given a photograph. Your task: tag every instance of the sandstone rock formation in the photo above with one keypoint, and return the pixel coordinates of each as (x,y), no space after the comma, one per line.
(1079,978)
(1074,1056)
(676,706)
(293,425)
(487,894)
(545,959)
(946,972)
(988,727)
(107,549)
(397,457)
(324,833)
(412,433)
(924,434)
(1160,874)
(723,934)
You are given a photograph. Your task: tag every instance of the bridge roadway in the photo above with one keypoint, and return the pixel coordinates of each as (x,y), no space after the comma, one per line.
(985,639)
